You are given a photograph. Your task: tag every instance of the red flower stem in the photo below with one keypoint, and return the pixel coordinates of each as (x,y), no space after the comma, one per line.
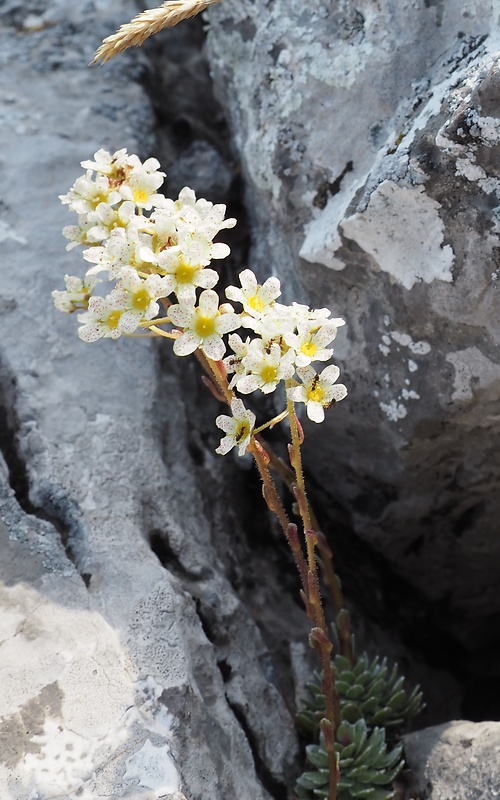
(320,638)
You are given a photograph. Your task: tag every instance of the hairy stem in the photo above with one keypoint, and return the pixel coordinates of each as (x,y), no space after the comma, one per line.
(319,635)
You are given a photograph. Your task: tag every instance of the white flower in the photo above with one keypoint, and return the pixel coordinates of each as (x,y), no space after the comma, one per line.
(77,234)
(107,164)
(310,342)
(77,293)
(213,220)
(254,298)
(105,219)
(122,249)
(142,294)
(234,363)
(161,225)
(265,366)
(86,194)
(142,182)
(271,326)
(108,317)
(193,211)
(203,325)
(238,428)
(317,391)
(186,263)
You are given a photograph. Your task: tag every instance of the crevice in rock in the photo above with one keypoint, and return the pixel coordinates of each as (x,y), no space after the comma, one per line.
(51,511)
(389,601)
(278,791)
(160,545)
(329,189)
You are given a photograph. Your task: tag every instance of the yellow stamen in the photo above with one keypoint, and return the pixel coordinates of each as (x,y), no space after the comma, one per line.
(309,349)
(184,273)
(205,326)
(269,374)
(316,394)
(141,299)
(113,320)
(255,303)
(140,196)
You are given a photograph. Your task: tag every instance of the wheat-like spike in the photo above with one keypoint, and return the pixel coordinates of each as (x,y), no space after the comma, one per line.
(151,21)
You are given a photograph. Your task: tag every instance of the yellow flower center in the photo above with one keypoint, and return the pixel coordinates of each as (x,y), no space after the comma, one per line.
(184,273)
(205,326)
(316,394)
(269,374)
(141,299)
(309,349)
(100,197)
(140,196)
(114,319)
(255,303)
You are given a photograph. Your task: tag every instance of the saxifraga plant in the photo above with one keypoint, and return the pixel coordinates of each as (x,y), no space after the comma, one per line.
(155,250)
(166,254)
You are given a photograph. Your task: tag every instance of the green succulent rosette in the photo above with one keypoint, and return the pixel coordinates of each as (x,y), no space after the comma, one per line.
(367,769)
(367,689)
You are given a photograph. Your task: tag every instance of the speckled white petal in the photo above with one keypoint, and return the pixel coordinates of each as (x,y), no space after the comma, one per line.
(306,374)
(209,303)
(207,278)
(226,444)
(298,394)
(186,295)
(182,315)
(220,250)
(270,290)
(330,373)
(225,423)
(129,322)
(339,391)
(248,383)
(315,411)
(91,332)
(186,344)
(213,347)
(227,322)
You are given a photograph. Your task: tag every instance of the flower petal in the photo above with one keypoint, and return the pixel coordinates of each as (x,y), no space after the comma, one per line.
(186,344)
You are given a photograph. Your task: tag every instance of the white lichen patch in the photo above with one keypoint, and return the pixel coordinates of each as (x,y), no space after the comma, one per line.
(340,66)
(153,768)
(466,168)
(149,712)
(402,231)
(64,762)
(410,394)
(420,348)
(393,407)
(394,410)
(471,367)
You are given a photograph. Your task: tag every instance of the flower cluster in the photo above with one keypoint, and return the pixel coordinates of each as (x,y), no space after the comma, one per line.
(156,249)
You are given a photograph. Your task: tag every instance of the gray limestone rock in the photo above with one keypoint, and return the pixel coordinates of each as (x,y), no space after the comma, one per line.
(456,761)
(129,665)
(368,134)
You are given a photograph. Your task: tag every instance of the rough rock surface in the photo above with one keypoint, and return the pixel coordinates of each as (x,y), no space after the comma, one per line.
(129,666)
(456,761)
(369,137)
